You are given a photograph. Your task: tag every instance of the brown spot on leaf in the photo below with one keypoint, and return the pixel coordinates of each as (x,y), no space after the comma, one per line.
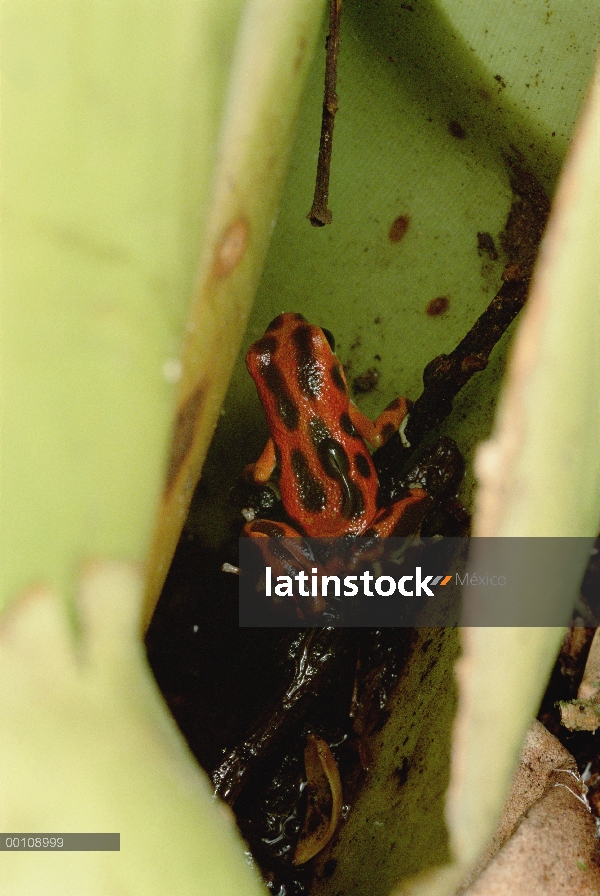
(438,306)
(231,248)
(456,130)
(366,382)
(401,773)
(183,435)
(399,228)
(485,243)
(300,53)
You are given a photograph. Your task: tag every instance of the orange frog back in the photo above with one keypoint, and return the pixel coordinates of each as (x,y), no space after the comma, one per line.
(327,479)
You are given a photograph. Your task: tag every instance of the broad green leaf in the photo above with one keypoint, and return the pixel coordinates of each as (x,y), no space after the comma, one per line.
(110,119)
(268,73)
(536,480)
(117,119)
(87,745)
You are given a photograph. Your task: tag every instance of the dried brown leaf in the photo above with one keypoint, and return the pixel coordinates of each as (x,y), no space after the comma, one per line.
(324,800)
(546,841)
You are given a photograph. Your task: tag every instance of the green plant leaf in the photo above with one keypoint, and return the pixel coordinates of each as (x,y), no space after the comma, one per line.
(88,746)
(106,171)
(554,370)
(110,141)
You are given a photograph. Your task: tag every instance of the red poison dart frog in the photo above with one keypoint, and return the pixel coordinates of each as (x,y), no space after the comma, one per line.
(326,477)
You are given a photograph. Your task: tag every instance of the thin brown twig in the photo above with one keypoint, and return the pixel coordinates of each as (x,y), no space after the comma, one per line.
(319,215)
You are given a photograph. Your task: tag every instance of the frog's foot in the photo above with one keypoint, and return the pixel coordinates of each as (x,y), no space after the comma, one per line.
(269,529)
(394,417)
(291,557)
(403,517)
(262,470)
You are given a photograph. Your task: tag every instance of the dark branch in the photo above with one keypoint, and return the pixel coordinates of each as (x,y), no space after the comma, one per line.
(317,654)
(319,215)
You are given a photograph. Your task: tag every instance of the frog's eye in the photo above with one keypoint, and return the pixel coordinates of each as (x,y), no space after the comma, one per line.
(330,338)
(276,323)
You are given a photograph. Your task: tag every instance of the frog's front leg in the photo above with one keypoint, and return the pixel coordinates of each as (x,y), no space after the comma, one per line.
(262,470)
(287,559)
(394,417)
(269,529)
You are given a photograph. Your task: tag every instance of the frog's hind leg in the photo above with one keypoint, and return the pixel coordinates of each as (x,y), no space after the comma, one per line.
(404,517)
(287,558)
